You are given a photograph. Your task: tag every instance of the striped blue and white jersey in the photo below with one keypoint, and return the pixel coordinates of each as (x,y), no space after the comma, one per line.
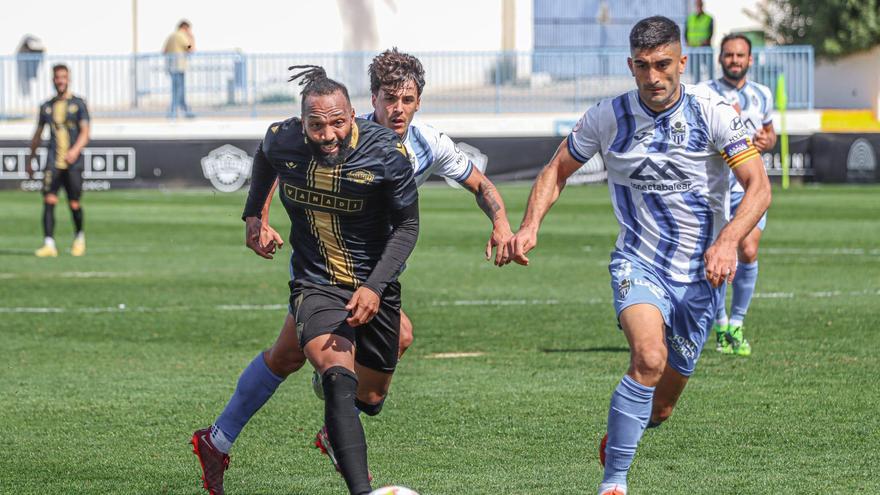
(666,173)
(753,101)
(433,152)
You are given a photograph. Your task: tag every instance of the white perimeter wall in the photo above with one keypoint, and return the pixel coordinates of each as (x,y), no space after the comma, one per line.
(261,26)
(851,82)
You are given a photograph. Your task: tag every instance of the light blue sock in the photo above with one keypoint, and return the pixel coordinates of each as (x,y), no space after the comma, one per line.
(721,314)
(256,385)
(627,418)
(743,289)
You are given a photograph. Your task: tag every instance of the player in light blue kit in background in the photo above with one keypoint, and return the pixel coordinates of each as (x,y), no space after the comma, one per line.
(754,102)
(667,148)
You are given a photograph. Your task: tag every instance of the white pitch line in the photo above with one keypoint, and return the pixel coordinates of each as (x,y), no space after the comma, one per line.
(774,295)
(454,355)
(250,307)
(823,251)
(7,276)
(122,308)
(95,274)
(497,302)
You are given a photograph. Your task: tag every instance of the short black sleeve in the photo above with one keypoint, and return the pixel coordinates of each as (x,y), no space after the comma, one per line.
(45,114)
(83,111)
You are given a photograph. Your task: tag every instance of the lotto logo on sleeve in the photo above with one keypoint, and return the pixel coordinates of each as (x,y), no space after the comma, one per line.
(736,147)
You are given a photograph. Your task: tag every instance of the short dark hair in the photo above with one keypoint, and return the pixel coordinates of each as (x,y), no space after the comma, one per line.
(736,36)
(393,69)
(314,81)
(652,32)
(57,67)
(183,23)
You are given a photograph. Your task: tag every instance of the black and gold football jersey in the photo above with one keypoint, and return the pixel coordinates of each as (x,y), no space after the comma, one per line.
(340,215)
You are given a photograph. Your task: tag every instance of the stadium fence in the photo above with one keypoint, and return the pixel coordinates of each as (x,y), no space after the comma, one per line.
(236,83)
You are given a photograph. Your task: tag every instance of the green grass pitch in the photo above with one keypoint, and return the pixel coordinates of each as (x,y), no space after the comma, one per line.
(98,399)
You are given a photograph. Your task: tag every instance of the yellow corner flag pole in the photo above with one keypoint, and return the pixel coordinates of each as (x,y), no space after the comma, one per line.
(781,105)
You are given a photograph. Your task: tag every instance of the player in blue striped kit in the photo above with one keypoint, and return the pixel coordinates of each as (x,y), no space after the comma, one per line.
(754,102)
(667,148)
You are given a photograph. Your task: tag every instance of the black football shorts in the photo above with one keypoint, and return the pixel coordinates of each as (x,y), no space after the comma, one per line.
(320,310)
(70,179)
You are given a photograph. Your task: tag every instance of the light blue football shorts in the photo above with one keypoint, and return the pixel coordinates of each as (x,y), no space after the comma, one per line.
(688,309)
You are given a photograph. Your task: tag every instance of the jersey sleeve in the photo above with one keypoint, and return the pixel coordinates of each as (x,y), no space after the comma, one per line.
(400,183)
(452,162)
(584,142)
(83,111)
(730,135)
(262,178)
(768,98)
(45,115)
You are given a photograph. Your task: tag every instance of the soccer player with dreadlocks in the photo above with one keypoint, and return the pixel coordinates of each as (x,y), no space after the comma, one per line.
(348,187)
(396,82)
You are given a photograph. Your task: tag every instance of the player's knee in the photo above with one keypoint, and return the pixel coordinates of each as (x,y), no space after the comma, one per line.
(369,408)
(749,253)
(649,363)
(406,335)
(74,204)
(50,199)
(284,362)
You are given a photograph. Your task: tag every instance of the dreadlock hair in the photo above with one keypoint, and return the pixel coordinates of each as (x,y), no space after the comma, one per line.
(393,69)
(314,81)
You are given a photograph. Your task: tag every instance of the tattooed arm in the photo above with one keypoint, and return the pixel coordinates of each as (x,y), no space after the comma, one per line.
(489,200)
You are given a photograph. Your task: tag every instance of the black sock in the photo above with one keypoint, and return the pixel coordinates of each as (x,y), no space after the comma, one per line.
(77,219)
(344,428)
(48,220)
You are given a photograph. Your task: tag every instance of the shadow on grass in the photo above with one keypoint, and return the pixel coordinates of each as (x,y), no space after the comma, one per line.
(587,349)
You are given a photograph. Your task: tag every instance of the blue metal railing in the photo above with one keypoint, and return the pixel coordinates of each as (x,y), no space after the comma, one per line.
(235,83)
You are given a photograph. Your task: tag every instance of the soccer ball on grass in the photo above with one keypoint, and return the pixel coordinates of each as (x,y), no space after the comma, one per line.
(393,490)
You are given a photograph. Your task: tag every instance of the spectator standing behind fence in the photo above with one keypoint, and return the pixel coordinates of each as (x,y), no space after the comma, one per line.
(177,48)
(698,31)
(29,56)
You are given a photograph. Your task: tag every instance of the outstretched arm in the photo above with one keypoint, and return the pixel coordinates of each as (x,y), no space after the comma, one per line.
(489,200)
(548,186)
(267,233)
(262,179)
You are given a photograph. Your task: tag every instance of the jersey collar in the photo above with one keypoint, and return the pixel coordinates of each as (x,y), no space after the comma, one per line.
(726,83)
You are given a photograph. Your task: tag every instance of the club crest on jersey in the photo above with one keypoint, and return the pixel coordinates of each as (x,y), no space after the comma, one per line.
(677,132)
(227,167)
(361,176)
(623,289)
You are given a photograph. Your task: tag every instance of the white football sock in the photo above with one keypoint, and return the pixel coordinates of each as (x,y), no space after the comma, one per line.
(219,440)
